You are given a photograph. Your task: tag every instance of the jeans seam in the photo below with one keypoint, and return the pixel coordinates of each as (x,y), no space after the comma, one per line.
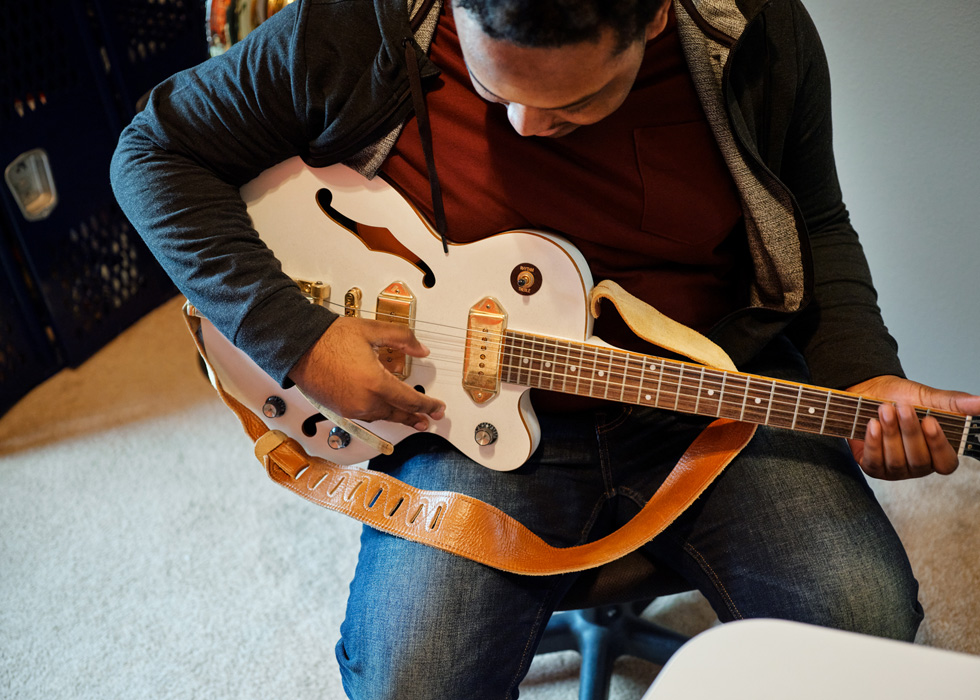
(632,494)
(624,413)
(590,522)
(525,663)
(715,580)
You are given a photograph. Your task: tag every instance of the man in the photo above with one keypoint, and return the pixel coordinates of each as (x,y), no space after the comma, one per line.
(685,149)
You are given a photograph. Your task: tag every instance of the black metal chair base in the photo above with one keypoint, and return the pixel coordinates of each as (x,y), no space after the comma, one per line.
(603,634)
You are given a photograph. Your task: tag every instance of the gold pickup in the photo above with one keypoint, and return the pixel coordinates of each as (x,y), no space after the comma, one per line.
(484,342)
(396,304)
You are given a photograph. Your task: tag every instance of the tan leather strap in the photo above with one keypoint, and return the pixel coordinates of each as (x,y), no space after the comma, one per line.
(469,527)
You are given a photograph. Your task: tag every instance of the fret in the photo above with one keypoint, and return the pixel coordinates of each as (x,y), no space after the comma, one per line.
(641,388)
(758,399)
(526,356)
(506,358)
(531,363)
(660,380)
(605,380)
(613,378)
(857,416)
(517,358)
(845,414)
(616,366)
(557,366)
(772,392)
(811,411)
(637,382)
(826,412)
(796,408)
(733,386)
(697,397)
(576,369)
(710,390)
(552,367)
(721,393)
(525,365)
(745,398)
(544,368)
(626,374)
(645,394)
(590,371)
(573,367)
(680,378)
(784,405)
(537,363)
(514,357)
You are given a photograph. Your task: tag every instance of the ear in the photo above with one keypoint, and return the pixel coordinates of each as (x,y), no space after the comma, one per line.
(659,21)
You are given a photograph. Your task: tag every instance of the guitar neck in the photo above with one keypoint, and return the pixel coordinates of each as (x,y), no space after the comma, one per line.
(617,375)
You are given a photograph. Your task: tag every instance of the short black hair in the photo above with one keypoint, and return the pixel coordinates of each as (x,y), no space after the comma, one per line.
(551,23)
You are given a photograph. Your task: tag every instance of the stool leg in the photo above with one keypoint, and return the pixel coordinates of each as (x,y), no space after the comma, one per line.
(603,634)
(647,640)
(597,662)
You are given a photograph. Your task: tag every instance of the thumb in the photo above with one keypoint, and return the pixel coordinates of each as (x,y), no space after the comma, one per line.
(954,401)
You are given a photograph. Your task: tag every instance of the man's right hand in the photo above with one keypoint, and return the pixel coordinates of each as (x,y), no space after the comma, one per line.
(342,372)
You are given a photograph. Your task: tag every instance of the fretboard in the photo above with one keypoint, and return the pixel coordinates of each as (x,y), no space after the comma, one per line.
(617,375)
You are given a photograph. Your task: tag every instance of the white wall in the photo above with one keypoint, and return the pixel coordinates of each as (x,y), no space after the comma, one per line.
(906,86)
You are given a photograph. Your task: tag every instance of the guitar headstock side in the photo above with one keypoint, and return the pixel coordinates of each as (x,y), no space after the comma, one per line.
(971,447)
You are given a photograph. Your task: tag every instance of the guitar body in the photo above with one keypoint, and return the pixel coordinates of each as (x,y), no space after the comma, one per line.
(290,218)
(331,226)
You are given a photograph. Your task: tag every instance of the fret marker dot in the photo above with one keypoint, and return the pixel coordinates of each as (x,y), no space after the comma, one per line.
(652,366)
(648,397)
(711,392)
(811,410)
(758,401)
(601,373)
(547,364)
(573,368)
(526,361)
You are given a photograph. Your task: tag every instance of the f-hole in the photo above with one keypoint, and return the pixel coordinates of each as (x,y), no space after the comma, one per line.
(375,238)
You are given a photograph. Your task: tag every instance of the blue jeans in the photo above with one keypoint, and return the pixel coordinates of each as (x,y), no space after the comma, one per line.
(790,530)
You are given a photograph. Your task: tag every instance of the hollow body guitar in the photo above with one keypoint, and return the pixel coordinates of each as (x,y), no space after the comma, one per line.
(500,316)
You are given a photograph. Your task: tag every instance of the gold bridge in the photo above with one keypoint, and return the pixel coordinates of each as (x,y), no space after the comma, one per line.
(484,342)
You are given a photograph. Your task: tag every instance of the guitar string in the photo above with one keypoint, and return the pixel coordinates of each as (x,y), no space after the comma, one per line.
(782,403)
(952,424)
(781,396)
(784,399)
(454,338)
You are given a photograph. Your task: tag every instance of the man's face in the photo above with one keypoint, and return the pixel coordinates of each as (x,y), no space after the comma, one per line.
(552,91)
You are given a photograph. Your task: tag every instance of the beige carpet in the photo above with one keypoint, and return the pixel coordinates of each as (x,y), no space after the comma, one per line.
(144,553)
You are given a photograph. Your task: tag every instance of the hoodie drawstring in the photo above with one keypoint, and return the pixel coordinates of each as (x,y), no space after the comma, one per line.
(425,133)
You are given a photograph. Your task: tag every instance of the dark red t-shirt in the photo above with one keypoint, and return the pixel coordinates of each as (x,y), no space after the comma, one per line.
(644,193)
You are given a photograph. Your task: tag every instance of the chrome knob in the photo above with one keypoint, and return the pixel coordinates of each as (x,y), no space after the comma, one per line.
(485,434)
(274,407)
(338,438)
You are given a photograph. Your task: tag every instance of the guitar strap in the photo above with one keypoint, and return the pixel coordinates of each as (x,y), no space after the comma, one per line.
(470,528)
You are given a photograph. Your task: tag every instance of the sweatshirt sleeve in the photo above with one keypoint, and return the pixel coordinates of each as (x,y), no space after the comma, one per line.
(841,333)
(176,173)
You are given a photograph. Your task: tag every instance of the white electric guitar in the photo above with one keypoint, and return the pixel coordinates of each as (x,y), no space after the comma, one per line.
(500,316)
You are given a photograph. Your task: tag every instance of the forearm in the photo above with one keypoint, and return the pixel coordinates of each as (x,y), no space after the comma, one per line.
(177,172)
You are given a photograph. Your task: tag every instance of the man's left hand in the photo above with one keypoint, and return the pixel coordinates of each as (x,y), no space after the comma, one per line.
(897,445)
